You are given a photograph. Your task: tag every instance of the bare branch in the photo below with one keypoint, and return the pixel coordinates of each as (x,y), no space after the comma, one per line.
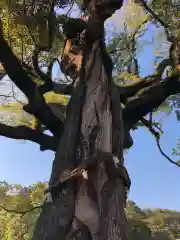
(163,64)
(63,88)
(22,132)
(165,155)
(20,212)
(57,88)
(156,17)
(19,76)
(131,89)
(29,70)
(127,45)
(157,138)
(49,85)
(150,98)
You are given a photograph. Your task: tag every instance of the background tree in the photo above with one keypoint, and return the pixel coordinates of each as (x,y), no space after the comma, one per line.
(31,41)
(21,206)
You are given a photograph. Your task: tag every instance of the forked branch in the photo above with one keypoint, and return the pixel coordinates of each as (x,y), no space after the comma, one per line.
(22,80)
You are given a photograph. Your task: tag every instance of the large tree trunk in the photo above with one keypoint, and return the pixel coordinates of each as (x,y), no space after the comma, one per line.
(92,206)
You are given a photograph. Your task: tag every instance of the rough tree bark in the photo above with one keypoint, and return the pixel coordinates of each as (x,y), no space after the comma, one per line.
(92,206)
(87,188)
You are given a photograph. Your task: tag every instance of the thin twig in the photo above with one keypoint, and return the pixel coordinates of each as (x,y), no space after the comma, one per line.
(14,96)
(156,134)
(164,154)
(145,5)
(68,12)
(130,41)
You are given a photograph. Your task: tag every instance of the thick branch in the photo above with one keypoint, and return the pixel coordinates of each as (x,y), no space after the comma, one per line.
(151,98)
(103,9)
(29,70)
(19,76)
(162,66)
(57,88)
(131,89)
(25,133)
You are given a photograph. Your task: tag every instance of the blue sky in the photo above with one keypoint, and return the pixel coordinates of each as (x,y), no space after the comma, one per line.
(154,179)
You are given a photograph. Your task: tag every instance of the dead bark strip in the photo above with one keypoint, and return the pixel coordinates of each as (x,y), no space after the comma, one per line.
(102,112)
